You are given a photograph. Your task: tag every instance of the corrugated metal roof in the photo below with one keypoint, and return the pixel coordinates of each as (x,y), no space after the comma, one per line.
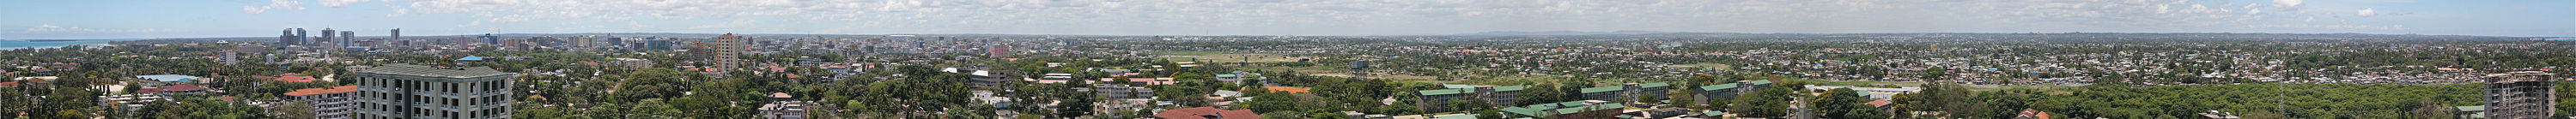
(1727,86)
(1653,85)
(1442,92)
(1603,89)
(1510,88)
(169,78)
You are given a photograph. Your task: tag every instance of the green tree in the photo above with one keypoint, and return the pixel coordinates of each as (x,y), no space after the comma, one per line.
(1769,102)
(1844,103)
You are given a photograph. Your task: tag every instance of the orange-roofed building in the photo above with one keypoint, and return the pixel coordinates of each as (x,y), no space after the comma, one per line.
(1282,89)
(1206,113)
(2027,113)
(328,103)
(298,79)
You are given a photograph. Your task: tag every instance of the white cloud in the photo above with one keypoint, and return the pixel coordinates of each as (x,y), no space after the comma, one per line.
(340,3)
(736,23)
(253,9)
(1147,15)
(274,4)
(2366,12)
(2286,4)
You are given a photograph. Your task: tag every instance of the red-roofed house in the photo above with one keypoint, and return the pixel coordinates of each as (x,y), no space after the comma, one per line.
(2027,113)
(1281,89)
(1206,113)
(292,78)
(1882,104)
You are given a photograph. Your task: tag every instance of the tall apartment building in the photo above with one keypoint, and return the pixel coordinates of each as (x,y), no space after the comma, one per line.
(401,91)
(2521,95)
(328,103)
(726,51)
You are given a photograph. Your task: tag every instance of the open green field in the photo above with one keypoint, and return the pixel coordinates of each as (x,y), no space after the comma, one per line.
(1508,79)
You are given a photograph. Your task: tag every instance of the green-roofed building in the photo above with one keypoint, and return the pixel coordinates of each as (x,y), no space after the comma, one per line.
(1712,92)
(1438,100)
(1563,110)
(1609,93)
(1501,95)
(1750,86)
(1656,89)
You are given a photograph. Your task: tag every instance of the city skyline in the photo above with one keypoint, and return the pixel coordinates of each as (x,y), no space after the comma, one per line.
(256,18)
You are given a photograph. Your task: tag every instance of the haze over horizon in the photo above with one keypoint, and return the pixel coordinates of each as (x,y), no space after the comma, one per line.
(26,19)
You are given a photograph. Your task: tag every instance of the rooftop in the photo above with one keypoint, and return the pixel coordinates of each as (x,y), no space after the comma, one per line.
(427,71)
(169,77)
(1603,89)
(1726,86)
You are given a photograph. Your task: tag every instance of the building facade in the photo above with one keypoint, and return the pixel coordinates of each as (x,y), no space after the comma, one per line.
(328,103)
(2521,95)
(401,91)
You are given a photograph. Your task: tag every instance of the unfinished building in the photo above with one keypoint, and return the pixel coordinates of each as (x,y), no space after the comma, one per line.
(2520,95)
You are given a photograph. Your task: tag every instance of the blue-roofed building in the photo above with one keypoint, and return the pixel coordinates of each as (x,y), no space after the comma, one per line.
(166,79)
(470,58)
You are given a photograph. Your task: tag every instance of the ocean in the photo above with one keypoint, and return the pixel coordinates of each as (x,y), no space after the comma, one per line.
(24,44)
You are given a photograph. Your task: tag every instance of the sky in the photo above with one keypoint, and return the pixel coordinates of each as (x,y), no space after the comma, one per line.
(84,19)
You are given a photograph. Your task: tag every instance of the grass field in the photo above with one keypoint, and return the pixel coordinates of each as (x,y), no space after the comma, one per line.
(1507,79)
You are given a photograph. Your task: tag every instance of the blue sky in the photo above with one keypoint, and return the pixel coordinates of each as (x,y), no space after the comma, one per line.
(64,19)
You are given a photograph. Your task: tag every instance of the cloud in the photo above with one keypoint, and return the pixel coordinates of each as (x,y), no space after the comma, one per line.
(2366,12)
(274,4)
(253,9)
(50,28)
(340,3)
(2287,4)
(1414,15)
(735,24)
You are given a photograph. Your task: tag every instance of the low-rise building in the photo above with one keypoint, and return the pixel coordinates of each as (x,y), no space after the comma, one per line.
(784,110)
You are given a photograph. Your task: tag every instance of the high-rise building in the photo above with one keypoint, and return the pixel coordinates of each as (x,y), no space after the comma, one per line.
(414,91)
(397,38)
(2521,95)
(287,37)
(488,38)
(347,38)
(327,36)
(305,38)
(727,48)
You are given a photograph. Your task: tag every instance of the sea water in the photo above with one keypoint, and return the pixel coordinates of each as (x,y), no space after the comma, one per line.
(24,44)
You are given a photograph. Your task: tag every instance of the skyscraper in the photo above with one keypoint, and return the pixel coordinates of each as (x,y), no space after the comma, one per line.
(303,38)
(397,37)
(346,38)
(2521,95)
(414,91)
(287,37)
(327,36)
(488,38)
